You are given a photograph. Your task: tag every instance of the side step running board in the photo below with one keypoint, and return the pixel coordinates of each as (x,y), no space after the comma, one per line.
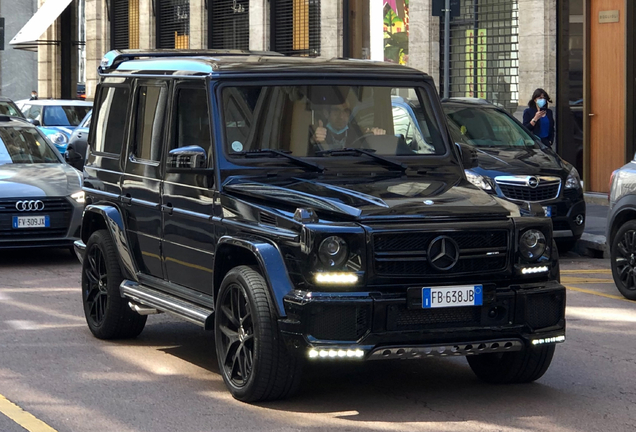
(167,303)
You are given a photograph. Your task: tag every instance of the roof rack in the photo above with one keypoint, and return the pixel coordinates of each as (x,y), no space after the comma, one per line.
(114,58)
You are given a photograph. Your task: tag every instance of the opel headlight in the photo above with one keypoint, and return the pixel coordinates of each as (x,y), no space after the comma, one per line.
(478,180)
(333,251)
(57,138)
(532,244)
(574,180)
(80,197)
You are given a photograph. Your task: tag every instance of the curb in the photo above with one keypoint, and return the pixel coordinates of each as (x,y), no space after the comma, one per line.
(596,198)
(592,245)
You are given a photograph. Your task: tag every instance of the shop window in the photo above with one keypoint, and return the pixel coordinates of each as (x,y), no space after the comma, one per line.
(124,24)
(295,27)
(173,24)
(229,24)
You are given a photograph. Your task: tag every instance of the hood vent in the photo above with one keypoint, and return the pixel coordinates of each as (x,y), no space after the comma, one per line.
(267,219)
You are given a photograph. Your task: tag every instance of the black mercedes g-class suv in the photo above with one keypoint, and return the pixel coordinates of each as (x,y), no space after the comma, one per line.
(286,204)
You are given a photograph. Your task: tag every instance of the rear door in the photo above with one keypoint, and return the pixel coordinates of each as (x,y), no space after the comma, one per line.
(141,185)
(188,200)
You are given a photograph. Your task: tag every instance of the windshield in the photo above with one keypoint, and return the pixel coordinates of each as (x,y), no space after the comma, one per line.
(308,121)
(21,145)
(9,109)
(486,128)
(64,115)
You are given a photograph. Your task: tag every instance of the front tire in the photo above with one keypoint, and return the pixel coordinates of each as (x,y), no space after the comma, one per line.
(107,314)
(253,359)
(623,259)
(513,367)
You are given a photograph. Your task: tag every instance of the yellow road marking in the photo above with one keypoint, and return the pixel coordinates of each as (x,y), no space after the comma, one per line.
(586,280)
(23,418)
(596,293)
(600,271)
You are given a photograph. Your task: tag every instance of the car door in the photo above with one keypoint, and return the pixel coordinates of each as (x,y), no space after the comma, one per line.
(141,184)
(188,200)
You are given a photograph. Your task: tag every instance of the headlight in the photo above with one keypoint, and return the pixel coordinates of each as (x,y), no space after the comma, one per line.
(333,251)
(574,180)
(532,244)
(57,138)
(478,180)
(80,197)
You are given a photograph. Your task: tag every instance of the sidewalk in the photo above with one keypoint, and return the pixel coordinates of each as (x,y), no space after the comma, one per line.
(592,242)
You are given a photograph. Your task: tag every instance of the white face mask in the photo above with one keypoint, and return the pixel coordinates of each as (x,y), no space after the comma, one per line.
(541,103)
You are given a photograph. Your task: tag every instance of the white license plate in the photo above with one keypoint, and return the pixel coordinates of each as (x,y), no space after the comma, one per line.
(548,211)
(452,296)
(31,222)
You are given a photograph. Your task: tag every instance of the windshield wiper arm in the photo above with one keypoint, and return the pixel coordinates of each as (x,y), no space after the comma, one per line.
(298,161)
(381,159)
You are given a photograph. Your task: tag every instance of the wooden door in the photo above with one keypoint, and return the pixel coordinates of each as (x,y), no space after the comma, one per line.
(607,92)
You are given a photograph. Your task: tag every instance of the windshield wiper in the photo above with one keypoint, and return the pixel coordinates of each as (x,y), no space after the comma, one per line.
(381,159)
(286,154)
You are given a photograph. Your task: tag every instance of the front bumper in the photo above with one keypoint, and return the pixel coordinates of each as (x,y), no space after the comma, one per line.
(375,326)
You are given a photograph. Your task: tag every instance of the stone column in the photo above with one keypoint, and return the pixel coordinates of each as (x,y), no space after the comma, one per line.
(331,28)
(537,48)
(259,25)
(424,44)
(146,25)
(49,63)
(97,41)
(198,24)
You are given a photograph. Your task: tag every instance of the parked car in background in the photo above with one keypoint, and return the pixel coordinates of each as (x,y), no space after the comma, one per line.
(621,228)
(513,164)
(41,197)
(56,118)
(76,150)
(9,108)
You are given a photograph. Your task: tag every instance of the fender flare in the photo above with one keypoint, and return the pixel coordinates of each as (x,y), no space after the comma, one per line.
(271,262)
(627,203)
(115,225)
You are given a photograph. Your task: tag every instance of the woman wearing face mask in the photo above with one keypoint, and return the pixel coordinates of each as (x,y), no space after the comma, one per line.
(538,117)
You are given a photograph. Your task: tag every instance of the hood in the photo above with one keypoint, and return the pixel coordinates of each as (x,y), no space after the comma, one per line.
(364,198)
(38,180)
(66,130)
(518,161)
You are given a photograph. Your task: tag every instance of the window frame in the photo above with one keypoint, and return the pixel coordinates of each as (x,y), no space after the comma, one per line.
(166,85)
(101,90)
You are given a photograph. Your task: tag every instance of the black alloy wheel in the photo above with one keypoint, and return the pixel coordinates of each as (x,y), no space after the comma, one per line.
(95,294)
(623,256)
(237,335)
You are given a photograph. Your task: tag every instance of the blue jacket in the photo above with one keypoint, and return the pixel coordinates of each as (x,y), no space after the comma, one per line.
(528,115)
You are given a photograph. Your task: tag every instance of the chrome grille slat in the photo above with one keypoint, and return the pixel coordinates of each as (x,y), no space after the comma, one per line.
(518,188)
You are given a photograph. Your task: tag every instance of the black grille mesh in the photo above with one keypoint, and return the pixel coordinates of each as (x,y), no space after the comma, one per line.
(173,24)
(544,310)
(229,24)
(526,193)
(59,211)
(295,27)
(406,319)
(420,241)
(338,322)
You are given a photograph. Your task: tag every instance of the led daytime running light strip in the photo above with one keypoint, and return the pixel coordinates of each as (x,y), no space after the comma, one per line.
(534,270)
(333,353)
(555,339)
(336,278)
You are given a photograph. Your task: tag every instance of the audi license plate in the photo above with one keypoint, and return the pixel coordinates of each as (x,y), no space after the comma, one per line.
(31,222)
(452,296)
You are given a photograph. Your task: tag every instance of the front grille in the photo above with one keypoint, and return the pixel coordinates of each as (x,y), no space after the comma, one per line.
(59,211)
(401,318)
(544,310)
(405,254)
(338,322)
(521,192)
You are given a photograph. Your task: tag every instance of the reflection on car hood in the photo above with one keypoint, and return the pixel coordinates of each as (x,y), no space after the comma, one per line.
(66,130)
(365,198)
(522,160)
(38,180)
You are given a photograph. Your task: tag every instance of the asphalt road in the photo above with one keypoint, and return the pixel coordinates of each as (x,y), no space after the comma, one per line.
(56,377)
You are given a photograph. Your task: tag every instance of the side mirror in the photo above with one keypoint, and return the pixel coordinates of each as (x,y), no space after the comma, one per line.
(34,122)
(191,159)
(469,156)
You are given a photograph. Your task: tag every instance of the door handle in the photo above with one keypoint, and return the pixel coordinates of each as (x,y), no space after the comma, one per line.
(166,208)
(126,199)
(591,115)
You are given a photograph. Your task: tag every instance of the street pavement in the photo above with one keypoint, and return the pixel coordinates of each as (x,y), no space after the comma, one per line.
(167,379)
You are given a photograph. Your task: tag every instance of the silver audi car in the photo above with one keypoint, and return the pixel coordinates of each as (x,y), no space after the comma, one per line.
(41,197)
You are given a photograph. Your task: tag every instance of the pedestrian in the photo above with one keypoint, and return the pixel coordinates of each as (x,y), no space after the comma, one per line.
(34,95)
(539,118)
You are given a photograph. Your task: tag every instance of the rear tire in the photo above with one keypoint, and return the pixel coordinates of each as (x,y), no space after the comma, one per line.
(623,259)
(253,360)
(513,367)
(107,314)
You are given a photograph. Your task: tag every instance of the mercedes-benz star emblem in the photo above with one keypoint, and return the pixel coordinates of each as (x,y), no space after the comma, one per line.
(32,205)
(533,182)
(443,253)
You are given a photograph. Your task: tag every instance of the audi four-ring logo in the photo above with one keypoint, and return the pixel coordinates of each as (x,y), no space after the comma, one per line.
(32,205)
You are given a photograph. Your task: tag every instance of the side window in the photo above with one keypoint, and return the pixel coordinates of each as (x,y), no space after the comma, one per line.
(111,119)
(192,119)
(150,109)
(33,111)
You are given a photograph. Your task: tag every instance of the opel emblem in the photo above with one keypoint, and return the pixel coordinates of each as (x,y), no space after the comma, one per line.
(533,182)
(443,253)
(32,205)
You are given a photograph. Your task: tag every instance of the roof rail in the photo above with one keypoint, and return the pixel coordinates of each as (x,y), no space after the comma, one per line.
(114,58)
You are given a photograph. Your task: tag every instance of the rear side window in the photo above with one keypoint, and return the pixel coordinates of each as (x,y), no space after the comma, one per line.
(150,110)
(111,119)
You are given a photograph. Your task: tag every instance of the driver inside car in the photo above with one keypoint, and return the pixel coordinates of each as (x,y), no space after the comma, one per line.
(339,132)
